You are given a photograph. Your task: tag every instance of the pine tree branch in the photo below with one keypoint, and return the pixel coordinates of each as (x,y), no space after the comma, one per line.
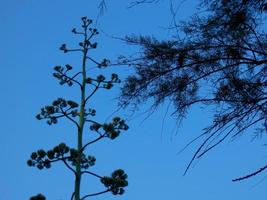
(250,175)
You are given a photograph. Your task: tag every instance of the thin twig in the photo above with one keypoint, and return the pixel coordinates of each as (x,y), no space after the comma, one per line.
(95,194)
(68,166)
(89,143)
(91,173)
(68,117)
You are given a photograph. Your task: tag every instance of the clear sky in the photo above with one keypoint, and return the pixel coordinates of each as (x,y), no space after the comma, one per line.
(31,33)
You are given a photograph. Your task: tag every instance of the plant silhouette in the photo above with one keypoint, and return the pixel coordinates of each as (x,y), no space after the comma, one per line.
(81,115)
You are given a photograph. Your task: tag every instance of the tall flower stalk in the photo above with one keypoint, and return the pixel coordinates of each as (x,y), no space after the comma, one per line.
(81,115)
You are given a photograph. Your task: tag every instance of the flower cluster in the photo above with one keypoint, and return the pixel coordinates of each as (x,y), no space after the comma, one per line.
(61,74)
(63,48)
(116,182)
(38,197)
(59,108)
(86,44)
(91,112)
(43,159)
(86,161)
(86,22)
(105,62)
(113,129)
(101,81)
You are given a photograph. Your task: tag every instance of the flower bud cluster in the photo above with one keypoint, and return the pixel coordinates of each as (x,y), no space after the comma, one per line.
(86,161)
(86,22)
(60,74)
(116,182)
(51,112)
(39,160)
(87,44)
(111,130)
(38,197)
(43,159)
(101,80)
(91,112)
(63,48)
(105,62)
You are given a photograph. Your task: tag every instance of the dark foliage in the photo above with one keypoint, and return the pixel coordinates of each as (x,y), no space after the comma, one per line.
(38,197)
(218,60)
(116,182)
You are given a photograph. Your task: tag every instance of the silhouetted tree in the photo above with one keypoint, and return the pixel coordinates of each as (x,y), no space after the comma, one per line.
(80,115)
(219,59)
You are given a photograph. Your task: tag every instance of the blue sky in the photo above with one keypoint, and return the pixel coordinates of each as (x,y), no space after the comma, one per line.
(31,33)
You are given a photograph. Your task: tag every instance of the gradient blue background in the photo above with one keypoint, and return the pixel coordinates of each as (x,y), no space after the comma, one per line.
(31,32)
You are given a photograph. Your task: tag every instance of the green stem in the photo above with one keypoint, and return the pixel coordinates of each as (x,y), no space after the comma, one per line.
(80,128)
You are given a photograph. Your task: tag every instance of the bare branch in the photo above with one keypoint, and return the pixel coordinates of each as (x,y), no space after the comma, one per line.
(72,196)
(68,117)
(92,93)
(91,173)
(92,142)
(95,194)
(68,166)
